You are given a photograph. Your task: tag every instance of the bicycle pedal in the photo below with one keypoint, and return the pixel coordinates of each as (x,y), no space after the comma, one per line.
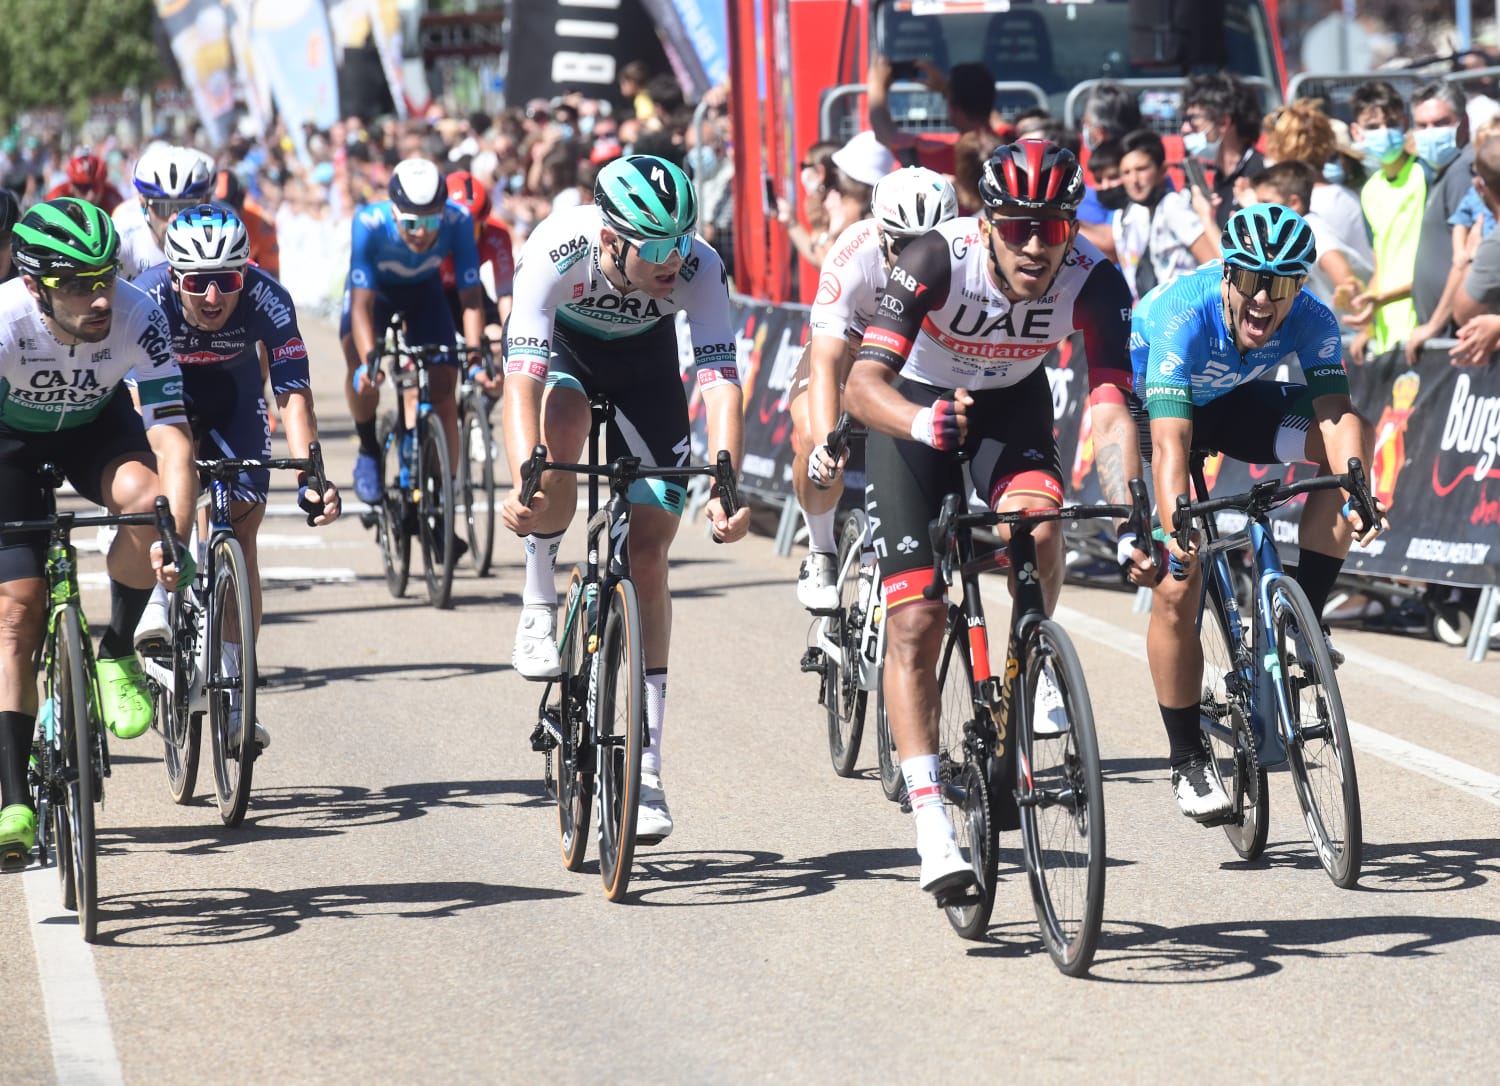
(960,899)
(812,659)
(13,860)
(369,518)
(541,739)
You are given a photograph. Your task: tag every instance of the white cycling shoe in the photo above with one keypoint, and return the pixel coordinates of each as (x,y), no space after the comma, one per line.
(817,587)
(944,869)
(1049,717)
(153,634)
(653,820)
(534,655)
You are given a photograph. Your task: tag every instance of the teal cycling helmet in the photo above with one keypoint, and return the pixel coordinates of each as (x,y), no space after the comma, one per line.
(646,198)
(1269,238)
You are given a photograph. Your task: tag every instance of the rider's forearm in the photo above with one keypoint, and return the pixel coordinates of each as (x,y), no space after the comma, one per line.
(1117,451)
(1169,472)
(473,315)
(725,404)
(177,475)
(870,398)
(824,364)
(520,413)
(298,417)
(362,322)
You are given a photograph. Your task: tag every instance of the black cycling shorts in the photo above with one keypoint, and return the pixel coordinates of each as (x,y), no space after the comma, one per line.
(1260,422)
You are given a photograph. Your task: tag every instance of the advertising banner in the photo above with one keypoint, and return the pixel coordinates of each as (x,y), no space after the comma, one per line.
(291,44)
(199,33)
(557,47)
(696,36)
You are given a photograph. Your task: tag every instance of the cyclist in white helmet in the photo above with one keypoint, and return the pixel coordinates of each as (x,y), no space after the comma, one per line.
(167,180)
(905,205)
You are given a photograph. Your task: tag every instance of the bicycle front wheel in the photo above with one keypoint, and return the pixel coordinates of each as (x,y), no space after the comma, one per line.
(1318,748)
(1061,799)
(395,542)
(76,732)
(843,695)
(962,778)
(891,782)
(478,460)
(1231,746)
(435,513)
(575,755)
(231,680)
(180,729)
(619,733)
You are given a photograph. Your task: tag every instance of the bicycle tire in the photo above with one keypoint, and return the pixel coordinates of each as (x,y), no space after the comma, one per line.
(892,784)
(231,621)
(435,513)
(575,756)
(963,781)
(181,729)
(395,543)
(61,843)
(478,480)
(1319,752)
(77,732)
(843,696)
(1062,805)
(619,736)
(1222,713)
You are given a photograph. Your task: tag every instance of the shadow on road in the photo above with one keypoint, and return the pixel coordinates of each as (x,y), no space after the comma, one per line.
(740,877)
(290,677)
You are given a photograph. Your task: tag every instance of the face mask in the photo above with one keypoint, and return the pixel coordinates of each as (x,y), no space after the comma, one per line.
(1437,146)
(810,180)
(1382,145)
(1196,143)
(1333,172)
(567,131)
(1089,142)
(702,160)
(1114,199)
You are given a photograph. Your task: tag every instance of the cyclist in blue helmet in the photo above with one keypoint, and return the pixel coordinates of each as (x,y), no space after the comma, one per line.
(1204,349)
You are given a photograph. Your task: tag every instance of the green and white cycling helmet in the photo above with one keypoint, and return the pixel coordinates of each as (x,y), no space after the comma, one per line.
(650,203)
(65,238)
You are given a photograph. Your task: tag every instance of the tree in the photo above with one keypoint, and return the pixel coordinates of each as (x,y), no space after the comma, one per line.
(64,52)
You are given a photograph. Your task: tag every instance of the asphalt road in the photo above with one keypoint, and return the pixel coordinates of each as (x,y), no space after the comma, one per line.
(394,908)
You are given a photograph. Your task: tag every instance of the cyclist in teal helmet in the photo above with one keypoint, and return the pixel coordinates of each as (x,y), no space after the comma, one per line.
(649,205)
(1204,350)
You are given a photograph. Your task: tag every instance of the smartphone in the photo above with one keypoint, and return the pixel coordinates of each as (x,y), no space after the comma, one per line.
(1193,169)
(905,71)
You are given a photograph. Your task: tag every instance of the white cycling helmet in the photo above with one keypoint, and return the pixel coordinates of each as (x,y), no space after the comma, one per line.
(417,187)
(913,200)
(164,172)
(208,237)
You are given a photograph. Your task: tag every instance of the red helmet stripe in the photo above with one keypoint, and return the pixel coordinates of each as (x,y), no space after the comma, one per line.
(1012,181)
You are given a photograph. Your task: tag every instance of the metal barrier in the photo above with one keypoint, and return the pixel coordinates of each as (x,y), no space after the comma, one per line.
(1335,89)
(1160,100)
(914,107)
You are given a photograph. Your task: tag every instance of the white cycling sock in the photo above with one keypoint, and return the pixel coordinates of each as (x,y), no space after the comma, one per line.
(820,533)
(656,708)
(925,794)
(541,567)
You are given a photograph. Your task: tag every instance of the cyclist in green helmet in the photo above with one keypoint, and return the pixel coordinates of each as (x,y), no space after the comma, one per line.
(69,334)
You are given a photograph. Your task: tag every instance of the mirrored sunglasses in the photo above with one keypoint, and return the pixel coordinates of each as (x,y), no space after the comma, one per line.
(167,209)
(420,222)
(197,283)
(1250,283)
(1015,231)
(84,284)
(660,251)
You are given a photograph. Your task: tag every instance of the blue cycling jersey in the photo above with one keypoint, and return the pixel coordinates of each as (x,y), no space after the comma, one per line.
(379,258)
(1183,356)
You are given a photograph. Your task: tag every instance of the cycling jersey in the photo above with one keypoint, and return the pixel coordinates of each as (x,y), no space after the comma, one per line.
(496,250)
(106,199)
(852,280)
(1184,356)
(943,320)
(560,277)
(46,385)
(379,258)
(139,248)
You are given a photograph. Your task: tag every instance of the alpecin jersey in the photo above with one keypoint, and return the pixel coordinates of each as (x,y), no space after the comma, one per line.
(559,278)
(851,283)
(943,320)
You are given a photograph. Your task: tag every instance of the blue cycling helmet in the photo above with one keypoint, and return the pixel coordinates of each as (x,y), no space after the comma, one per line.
(1269,238)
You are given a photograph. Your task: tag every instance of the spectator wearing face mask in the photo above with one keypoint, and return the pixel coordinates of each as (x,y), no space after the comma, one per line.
(1440,135)
(1220,124)
(1338,271)
(1110,113)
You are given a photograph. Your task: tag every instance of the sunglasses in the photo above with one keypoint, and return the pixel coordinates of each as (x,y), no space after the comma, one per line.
(661,250)
(197,283)
(420,222)
(83,284)
(166,209)
(1250,283)
(1017,232)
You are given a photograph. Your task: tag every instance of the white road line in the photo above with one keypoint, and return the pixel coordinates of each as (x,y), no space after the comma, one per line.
(1469,779)
(311,574)
(83,1048)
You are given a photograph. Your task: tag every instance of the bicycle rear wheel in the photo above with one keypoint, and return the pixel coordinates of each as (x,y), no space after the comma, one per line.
(78,742)
(963,779)
(1231,746)
(842,693)
(575,755)
(619,732)
(435,512)
(477,456)
(1062,805)
(395,543)
(891,782)
(180,729)
(1318,748)
(231,680)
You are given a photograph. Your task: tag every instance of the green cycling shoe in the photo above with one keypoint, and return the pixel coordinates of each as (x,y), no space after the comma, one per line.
(126,702)
(17,835)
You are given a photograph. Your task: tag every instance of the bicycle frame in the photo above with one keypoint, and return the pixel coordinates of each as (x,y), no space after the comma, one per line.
(871,640)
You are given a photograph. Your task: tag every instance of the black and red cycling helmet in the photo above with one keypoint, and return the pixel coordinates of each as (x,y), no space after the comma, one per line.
(1032,174)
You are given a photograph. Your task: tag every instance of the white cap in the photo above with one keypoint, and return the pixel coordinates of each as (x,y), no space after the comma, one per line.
(864,159)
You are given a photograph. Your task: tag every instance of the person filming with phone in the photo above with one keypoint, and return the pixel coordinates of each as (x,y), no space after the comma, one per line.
(1160,233)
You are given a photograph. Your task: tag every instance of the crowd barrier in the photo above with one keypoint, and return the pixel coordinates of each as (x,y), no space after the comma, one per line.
(1437,451)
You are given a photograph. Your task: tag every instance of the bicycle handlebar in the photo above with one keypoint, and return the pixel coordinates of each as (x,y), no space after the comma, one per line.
(310,465)
(838,437)
(160,517)
(625,469)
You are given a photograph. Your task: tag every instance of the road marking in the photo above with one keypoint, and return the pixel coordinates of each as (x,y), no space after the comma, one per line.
(1469,779)
(301,574)
(83,1047)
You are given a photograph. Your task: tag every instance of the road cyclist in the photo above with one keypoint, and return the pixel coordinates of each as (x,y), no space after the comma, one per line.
(167,180)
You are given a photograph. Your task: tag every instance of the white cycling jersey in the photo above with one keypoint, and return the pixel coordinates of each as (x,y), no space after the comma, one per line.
(852,280)
(559,278)
(46,385)
(138,247)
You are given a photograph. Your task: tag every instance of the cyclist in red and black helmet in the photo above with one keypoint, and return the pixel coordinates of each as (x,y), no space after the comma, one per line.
(954,360)
(495,249)
(87,179)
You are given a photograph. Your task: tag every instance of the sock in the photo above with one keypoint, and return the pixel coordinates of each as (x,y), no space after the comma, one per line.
(367,443)
(926,797)
(541,567)
(656,708)
(1183,732)
(126,607)
(1316,573)
(820,527)
(15,748)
